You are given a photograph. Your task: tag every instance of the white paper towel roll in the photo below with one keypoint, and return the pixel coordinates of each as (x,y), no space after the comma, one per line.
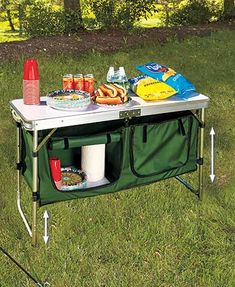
(93,161)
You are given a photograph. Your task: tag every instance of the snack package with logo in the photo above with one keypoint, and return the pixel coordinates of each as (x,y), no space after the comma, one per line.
(150,89)
(183,87)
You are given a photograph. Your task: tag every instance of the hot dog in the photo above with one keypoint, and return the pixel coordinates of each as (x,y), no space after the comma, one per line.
(108,90)
(111,94)
(108,100)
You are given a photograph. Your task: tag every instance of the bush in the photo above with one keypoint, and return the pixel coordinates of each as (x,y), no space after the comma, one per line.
(120,14)
(42,20)
(195,12)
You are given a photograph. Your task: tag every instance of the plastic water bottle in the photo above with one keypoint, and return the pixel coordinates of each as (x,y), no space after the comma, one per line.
(123,81)
(110,75)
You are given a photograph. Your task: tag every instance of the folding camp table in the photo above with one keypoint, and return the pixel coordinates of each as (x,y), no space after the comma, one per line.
(145,142)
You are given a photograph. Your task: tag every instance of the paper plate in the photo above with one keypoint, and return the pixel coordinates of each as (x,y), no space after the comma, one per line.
(73,178)
(69,100)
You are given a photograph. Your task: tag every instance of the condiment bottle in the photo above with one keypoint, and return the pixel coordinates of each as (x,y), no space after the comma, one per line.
(31,83)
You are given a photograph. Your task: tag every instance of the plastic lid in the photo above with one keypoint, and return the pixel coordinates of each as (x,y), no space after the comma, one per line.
(31,70)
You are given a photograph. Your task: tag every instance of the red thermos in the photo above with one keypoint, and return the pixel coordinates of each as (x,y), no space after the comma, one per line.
(31,83)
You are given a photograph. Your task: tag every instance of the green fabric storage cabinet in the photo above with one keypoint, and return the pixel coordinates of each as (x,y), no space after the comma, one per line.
(142,145)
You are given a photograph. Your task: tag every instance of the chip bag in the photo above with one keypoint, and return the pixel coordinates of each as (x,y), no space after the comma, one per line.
(150,89)
(183,87)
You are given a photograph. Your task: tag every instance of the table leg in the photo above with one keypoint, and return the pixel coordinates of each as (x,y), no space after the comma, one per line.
(18,163)
(201,152)
(35,188)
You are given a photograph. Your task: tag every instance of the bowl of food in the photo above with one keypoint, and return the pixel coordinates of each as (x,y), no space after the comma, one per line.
(70,100)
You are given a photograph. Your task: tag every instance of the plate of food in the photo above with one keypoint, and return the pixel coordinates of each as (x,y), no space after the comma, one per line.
(68,100)
(111,95)
(72,179)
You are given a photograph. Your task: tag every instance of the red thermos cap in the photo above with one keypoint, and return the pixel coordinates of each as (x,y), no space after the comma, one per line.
(31,70)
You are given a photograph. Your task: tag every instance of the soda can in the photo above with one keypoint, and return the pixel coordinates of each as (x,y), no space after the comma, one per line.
(68,82)
(78,82)
(89,84)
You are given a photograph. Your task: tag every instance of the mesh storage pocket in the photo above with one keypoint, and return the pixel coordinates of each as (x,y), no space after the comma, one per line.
(68,150)
(160,147)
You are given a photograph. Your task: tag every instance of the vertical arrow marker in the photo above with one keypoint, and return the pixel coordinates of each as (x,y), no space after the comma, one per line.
(212,175)
(45,216)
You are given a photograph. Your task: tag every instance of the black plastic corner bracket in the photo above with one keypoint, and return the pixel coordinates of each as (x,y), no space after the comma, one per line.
(35,153)
(200,161)
(202,125)
(18,125)
(35,196)
(19,165)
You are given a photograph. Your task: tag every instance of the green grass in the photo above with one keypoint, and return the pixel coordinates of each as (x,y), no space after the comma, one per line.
(156,235)
(6,35)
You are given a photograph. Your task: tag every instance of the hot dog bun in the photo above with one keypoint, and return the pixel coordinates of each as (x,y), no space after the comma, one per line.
(108,100)
(111,94)
(108,90)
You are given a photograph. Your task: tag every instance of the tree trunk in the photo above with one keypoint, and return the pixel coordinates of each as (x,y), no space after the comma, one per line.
(229,9)
(73,9)
(10,20)
(20,15)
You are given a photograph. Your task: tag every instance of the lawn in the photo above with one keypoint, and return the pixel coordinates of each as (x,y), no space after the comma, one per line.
(156,235)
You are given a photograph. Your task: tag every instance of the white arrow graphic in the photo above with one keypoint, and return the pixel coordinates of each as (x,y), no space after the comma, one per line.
(45,216)
(212,175)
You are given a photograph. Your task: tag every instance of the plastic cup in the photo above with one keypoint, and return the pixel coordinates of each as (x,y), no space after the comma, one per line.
(31,70)
(56,171)
(31,83)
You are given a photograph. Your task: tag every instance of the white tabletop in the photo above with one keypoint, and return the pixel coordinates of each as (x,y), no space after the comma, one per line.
(43,117)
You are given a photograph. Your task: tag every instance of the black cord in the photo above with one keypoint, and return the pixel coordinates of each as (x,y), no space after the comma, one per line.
(17,264)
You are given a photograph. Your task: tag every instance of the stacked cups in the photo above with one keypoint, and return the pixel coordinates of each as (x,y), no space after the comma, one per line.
(31,83)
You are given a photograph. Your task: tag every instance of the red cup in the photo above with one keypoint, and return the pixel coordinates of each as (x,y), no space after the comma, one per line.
(55,169)
(31,93)
(31,70)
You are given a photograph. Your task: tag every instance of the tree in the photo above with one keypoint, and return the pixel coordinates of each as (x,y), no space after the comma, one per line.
(73,15)
(229,9)
(6,7)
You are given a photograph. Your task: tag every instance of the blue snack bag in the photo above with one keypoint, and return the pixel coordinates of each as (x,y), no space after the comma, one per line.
(184,88)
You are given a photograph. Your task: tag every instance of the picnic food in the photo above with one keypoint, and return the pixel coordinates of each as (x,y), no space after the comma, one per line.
(150,89)
(111,94)
(70,100)
(183,87)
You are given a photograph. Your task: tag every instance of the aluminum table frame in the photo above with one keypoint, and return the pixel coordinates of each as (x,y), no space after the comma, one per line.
(42,117)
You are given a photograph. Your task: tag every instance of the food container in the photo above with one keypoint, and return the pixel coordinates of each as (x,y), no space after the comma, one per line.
(68,82)
(89,84)
(69,100)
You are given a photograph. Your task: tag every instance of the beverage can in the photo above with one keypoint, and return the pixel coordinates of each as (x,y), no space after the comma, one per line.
(78,82)
(89,84)
(68,82)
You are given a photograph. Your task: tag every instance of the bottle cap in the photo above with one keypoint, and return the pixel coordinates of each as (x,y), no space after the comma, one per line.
(31,70)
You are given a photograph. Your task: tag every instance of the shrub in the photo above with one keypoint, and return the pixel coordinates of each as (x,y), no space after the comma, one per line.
(42,20)
(195,12)
(120,14)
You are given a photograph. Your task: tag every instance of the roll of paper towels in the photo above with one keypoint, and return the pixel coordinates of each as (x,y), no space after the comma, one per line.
(93,161)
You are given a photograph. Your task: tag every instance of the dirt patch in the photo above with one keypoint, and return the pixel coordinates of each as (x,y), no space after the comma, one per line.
(108,41)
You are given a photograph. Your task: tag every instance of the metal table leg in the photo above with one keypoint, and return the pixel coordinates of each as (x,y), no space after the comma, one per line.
(199,190)
(201,152)
(35,187)
(18,163)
